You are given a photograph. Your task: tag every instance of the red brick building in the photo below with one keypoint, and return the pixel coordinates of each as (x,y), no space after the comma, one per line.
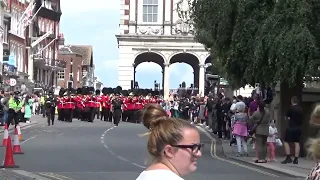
(71,76)
(16,43)
(46,26)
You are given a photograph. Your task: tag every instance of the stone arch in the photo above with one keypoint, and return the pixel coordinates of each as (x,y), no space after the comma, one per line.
(213,69)
(152,56)
(208,59)
(148,56)
(189,58)
(187,53)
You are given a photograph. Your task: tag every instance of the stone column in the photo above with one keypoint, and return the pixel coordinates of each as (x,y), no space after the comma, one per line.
(134,75)
(201,79)
(166,81)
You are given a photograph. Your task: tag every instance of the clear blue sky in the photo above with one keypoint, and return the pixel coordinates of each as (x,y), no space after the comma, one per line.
(96,24)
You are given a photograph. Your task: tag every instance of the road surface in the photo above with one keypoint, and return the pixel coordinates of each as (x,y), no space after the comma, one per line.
(96,151)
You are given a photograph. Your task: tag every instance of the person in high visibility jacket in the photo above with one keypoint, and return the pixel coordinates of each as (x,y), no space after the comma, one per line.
(14,112)
(42,105)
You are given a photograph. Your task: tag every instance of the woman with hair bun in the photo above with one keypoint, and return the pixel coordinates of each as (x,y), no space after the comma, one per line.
(174,145)
(314,146)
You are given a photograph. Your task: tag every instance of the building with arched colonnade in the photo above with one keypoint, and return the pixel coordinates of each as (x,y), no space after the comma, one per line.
(158,31)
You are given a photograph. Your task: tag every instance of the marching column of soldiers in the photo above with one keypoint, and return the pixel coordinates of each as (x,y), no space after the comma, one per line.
(114,104)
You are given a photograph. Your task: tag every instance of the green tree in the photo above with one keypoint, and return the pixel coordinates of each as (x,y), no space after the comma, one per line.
(260,41)
(265,41)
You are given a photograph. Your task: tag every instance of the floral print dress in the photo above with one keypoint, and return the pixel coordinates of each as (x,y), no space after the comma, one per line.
(315,173)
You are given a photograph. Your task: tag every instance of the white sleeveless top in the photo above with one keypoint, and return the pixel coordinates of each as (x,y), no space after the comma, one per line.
(159,174)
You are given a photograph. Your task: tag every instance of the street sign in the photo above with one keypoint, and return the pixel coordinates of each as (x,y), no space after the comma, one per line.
(13,82)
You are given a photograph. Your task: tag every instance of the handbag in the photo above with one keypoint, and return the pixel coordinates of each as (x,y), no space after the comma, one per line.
(254,128)
(278,142)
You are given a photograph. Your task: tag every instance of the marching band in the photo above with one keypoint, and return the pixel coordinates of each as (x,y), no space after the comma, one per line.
(85,104)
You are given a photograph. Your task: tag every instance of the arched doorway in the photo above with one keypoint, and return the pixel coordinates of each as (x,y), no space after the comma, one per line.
(191,60)
(213,69)
(148,57)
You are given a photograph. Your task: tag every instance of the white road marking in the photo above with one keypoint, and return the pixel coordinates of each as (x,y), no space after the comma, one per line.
(28,139)
(213,152)
(112,153)
(122,158)
(54,176)
(138,165)
(60,134)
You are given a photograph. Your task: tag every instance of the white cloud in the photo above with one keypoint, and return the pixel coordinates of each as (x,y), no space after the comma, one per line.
(82,6)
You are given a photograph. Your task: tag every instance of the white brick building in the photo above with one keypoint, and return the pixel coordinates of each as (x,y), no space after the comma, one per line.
(155,31)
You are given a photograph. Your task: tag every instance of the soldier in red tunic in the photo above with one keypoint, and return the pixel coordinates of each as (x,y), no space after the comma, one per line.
(60,105)
(80,104)
(105,103)
(70,105)
(91,105)
(125,111)
(76,112)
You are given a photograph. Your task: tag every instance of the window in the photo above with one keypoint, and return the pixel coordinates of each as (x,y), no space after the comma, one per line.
(5,37)
(61,74)
(21,59)
(47,53)
(78,77)
(18,58)
(50,53)
(71,68)
(150,10)
(16,16)
(48,27)
(20,28)
(43,26)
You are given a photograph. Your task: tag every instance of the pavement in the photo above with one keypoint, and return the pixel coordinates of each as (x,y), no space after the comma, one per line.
(98,150)
(300,170)
(34,121)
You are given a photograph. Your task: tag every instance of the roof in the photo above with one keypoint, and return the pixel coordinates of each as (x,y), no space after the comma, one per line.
(86,51)
(65,50)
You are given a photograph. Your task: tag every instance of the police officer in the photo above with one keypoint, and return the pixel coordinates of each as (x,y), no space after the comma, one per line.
(15,105)
(50,105)
(117,109)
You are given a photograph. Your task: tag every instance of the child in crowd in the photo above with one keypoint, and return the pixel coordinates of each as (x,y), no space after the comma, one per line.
(273,135)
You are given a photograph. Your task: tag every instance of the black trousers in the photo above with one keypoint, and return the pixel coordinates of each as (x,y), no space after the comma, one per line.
(13,117)
(116,116)
(50,112)
(106,114)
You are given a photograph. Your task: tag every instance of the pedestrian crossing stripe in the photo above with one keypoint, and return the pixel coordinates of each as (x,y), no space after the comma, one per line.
(54,176)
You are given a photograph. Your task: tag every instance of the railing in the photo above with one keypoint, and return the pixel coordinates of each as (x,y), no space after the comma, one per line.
(51,5)
(53,63)
(60,63)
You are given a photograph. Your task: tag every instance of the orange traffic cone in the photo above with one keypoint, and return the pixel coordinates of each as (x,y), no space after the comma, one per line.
(19,133)
(16,143)
(5,136)
(9,161)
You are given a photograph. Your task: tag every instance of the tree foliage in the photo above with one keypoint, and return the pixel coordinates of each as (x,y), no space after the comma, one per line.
(260,40)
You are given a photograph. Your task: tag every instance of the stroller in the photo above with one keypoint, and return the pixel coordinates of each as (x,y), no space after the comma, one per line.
(249,139)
